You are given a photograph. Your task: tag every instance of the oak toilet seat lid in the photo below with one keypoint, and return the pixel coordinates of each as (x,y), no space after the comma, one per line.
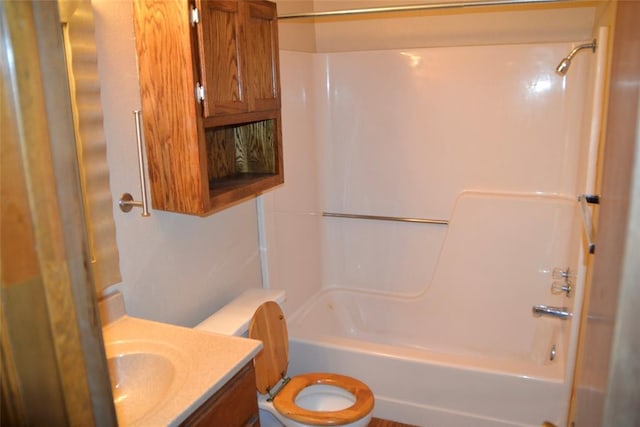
(285,400)
(269,326)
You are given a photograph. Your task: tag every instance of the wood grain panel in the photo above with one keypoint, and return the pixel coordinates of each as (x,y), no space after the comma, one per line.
(221,153)
(378,422)
(255,147)
(171,127)
(243,149)
(269,326)
(221,57)
(261,34)
(234,405)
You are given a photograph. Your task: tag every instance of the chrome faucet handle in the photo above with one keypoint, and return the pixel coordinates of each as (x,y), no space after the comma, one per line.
(559,287)
(560,274)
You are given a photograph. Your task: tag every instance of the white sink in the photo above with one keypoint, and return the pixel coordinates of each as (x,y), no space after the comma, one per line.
(144,374)
(161,373)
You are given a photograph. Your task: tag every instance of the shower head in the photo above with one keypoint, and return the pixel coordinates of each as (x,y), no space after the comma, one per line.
(564,65)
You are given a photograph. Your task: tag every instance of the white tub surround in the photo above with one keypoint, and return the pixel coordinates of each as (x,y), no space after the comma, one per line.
(200,363)
(437,319)
(466,351)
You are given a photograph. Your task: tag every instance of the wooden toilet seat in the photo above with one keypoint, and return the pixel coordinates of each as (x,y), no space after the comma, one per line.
(269,326)
(285,401)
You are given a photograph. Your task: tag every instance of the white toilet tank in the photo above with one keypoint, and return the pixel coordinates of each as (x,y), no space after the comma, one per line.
(234,318)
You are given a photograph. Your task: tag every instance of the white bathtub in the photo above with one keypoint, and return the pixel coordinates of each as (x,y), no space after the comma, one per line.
(467,350)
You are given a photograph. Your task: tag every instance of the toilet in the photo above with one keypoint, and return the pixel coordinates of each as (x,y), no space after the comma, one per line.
(315,399)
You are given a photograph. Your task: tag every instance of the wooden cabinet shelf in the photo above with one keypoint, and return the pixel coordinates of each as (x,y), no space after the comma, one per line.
(210,86)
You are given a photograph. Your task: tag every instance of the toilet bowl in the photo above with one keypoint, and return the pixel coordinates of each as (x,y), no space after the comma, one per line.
(319,399)
(314,399)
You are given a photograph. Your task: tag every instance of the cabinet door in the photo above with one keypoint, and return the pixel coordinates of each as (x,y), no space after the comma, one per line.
(235,405)
(221,57)
(261,37)
(177,165)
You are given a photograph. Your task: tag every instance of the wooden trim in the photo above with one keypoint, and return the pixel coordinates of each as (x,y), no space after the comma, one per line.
(254,116)
(51,314)
(12,410)
(235,404)
(606,384)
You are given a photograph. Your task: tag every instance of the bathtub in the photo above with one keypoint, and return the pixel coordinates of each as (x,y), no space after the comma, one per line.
(466,350)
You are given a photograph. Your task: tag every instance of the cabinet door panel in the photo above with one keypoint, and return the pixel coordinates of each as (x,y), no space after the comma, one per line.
(167,83)
(261,34)
(221,57)
(235,405)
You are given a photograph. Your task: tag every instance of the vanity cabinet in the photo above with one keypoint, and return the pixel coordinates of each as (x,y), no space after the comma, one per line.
(210,90)
(234,405)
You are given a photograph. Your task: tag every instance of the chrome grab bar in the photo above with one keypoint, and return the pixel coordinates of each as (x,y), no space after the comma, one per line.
(126,201)
(547,310)
(386,218)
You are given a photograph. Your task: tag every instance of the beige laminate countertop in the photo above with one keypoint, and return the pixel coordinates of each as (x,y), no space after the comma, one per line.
(204,362)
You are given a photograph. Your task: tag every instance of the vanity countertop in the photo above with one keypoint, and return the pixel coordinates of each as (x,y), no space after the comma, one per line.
(203,362)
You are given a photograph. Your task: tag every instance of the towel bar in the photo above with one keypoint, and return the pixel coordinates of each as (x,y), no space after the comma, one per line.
(126,202)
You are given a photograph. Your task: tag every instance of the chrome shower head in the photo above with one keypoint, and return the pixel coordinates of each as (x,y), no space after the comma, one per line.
(564,65)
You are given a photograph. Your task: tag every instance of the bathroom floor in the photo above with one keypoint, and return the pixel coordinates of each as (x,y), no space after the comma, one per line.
(377,422)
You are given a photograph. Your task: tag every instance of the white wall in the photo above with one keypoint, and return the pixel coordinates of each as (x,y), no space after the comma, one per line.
(178,268)
(175,268)
(292,212)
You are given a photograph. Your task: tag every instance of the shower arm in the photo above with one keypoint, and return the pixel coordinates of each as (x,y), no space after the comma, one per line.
(578,48)
(564,65)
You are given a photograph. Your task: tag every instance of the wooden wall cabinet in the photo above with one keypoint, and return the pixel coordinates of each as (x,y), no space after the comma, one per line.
(234,405)
(210,89)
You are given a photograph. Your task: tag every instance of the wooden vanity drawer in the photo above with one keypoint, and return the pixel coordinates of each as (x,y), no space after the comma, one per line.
(234,405)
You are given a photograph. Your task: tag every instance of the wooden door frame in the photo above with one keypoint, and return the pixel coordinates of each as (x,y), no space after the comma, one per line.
(54,369)
(607,382)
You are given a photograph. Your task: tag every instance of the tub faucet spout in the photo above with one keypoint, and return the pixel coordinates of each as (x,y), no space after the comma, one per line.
(544,310)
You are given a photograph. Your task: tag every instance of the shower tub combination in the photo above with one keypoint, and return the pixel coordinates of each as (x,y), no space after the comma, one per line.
(438,320)
(466,351)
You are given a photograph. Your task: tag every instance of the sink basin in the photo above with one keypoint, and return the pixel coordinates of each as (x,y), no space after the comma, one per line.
(161,373)
(143,374)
